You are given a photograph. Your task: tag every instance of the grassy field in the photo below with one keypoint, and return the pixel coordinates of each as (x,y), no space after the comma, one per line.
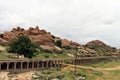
(91,72)
(41,55)
(44,55)
(105,64)
(4,55)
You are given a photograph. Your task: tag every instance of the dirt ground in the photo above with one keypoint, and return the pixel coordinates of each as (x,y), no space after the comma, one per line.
(21,76)
(109,69)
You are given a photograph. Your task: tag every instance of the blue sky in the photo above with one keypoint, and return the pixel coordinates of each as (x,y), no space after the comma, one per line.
(78,20)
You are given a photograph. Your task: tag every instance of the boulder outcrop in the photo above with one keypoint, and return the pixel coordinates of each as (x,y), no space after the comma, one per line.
(47,48)
(51,48)
(46,40)
(100,46)
(65,43)
(58,49)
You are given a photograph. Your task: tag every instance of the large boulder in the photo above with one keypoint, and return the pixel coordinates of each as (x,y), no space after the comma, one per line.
(65,43)
(42,40)
(34,31)
(58,49)
(8,36)
(56,39)
(47,48)
(2,48)
(3,40)
(17,29)
(51,48)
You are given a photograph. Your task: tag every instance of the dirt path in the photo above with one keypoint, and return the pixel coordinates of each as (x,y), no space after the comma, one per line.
(110,69)
(24,76)
(4,76)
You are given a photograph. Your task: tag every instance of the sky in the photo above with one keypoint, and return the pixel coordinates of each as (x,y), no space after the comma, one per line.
(77,20)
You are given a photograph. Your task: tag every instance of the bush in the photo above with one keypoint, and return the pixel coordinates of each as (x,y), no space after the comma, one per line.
(22,45)
(58,43)
(46,56)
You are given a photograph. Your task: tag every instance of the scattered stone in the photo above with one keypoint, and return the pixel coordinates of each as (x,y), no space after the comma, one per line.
(35,77)
(55,79)
(81,78)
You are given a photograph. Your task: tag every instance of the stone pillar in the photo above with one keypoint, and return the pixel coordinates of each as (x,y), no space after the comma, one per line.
(37,65)
(89,60)
(46,64)
(42,64)
(62,63)
(76,61)
(86,60)
(32,65)
(79,61)
(15,65)
(58,63)
(51,64)
(82,61)
(21,65)
(72,61)
(8,66)
(55,64)
(27,65)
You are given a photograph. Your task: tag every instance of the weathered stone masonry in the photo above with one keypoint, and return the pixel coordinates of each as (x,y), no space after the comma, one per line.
(9,65)
(14,65)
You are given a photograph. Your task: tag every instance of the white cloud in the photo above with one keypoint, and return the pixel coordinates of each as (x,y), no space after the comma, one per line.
(79,20)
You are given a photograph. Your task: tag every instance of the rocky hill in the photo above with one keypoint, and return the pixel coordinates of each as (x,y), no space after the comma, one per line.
(50,43)
(100,46)
(46,40)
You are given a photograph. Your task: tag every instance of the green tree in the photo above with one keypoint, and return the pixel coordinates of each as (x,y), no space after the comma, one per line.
(22,45)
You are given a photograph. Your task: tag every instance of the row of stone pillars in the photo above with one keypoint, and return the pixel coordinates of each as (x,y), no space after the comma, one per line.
(82,61)
(30,65)
(44,64)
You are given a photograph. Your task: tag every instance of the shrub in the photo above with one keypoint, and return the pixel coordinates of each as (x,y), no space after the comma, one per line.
(22,45)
